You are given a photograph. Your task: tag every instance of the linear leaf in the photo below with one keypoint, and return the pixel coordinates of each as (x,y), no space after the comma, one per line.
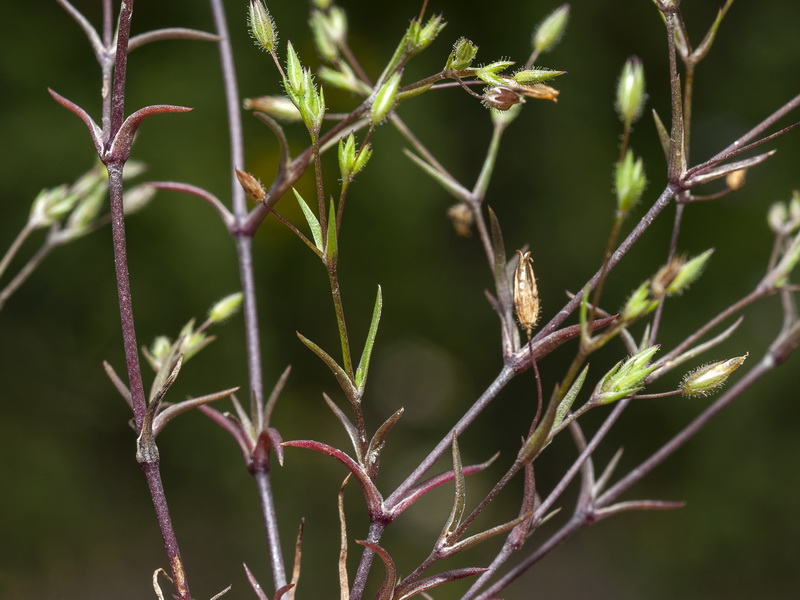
(311,218)
(363,364)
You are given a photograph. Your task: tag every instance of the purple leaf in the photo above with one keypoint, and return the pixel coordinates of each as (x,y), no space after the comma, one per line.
(371,493)
(121,146)
(94,129)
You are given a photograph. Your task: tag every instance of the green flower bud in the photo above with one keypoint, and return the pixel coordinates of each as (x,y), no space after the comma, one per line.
(50,205)
(85,214)
(262,27)
(277,107)
(532,76)
(708,379)
(419,37)
(160,349)
(383,103)
(551,29)
(629,183)
(777,216)
(329,30)
(626,378)
(463,54)
(688,272)
(225,308)
(630,91)
(350,163)
(639,303)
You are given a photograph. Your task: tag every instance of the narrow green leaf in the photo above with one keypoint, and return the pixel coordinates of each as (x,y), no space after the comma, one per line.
(311,218)
(331,247)
(338,372)
(363,364)
(498,248)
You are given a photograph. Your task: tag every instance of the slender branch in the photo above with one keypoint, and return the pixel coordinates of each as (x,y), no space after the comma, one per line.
(25,272)
(244,249)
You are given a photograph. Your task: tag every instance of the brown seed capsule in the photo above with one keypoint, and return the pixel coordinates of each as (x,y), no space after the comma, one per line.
(526,294)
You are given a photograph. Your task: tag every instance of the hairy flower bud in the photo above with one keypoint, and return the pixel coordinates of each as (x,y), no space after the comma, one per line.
(630,91)
(225,308)
(463,54)
(551,29)
(708,379)
(629,183)
(626,378)
(383,103)
(251,186)
(262,27)
(351,163)
(277,107)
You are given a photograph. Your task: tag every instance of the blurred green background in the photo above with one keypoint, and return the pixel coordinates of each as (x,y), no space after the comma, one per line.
(75,517)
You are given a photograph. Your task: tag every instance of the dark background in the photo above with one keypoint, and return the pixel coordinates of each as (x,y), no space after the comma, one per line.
(75,517)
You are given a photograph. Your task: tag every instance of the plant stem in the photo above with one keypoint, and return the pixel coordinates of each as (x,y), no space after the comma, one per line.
(242,235)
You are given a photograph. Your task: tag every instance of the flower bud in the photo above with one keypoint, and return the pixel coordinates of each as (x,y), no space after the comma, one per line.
(277,107)
(630,91)
(532,76)
(708,379)
(626,378)
(687,272)
(50,205)
(639,303)
(85,213)
(463,54)
(419,37)
(383,103)
(551,29)
(629,183)
(262,27)
(251,186)
(329,31)
(160,349)
(225,308)
(350,162)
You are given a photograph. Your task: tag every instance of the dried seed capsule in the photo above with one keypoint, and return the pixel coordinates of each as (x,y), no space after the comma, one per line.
(526,294)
